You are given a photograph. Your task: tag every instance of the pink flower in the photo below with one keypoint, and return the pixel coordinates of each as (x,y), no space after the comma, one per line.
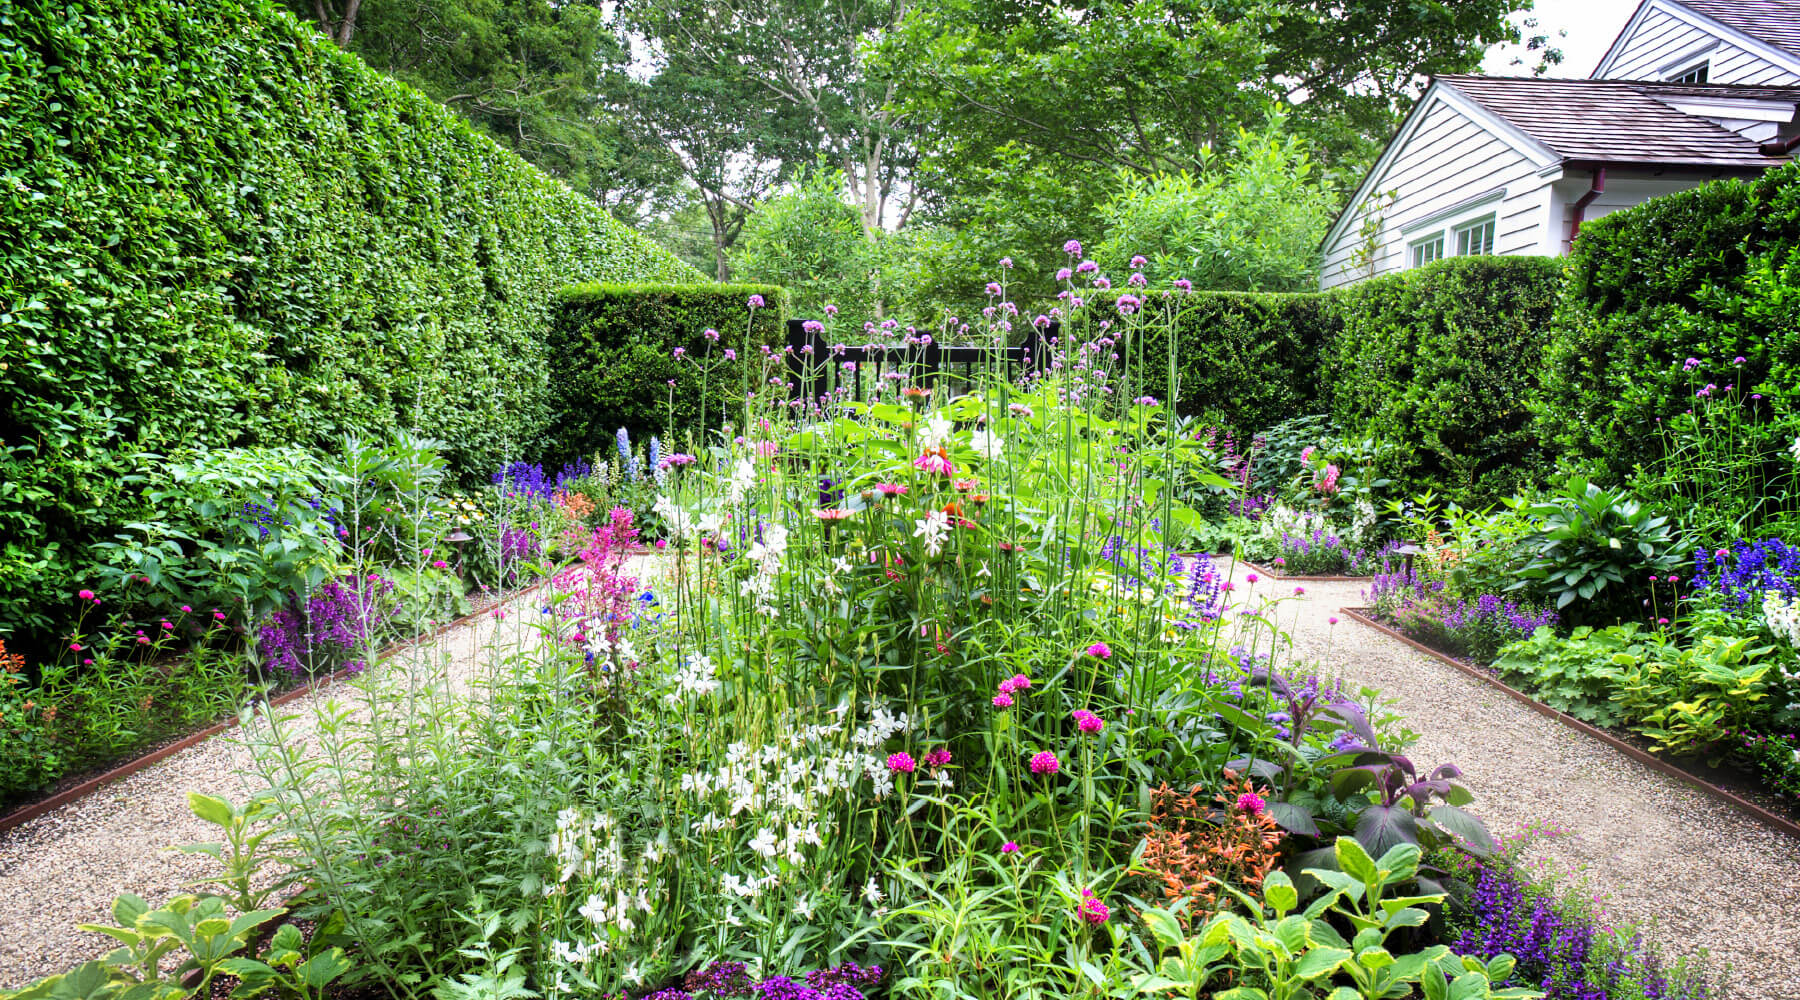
(1138,260)
(1332,620)
(1064,274)
(937,758)
(86,595)
(1099,650)
(185,609)
(1072,248)
(934,463)
(1003,700)
(1045,762)
(1019,682)
(1252,577)
(756,302)
(1279,561)
(901,762)
(1092,910)
(1009,848)
(1087,721)
(218,615)
(1306,454)
(890,489)
(662,543)
(75,647)
(1251,803)
(1299,590)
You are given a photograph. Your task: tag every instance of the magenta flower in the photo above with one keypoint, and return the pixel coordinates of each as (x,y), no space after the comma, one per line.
(1332,620)
(1251,803)
(830,310)
(1086,267)
(1251,577)
(934,463)
(1064,274)
(712,334)
(1019,682)
(1006,262)
(1045,762)
(86,595)
(1009,848)
(439,564)
(901,762)
(1100,651)
(680,351)
(730,355)
(1091,909)
(1003,700)
(890,489)
(1184,284)
(185,608)
(756,302)
(1138,260)
(75,647)
(937,758)
(1087,721)
(1103,283)
(1072,248)
(1299,590)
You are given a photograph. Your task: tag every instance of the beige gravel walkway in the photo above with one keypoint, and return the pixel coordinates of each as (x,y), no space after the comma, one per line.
(1658,849)
(65,868)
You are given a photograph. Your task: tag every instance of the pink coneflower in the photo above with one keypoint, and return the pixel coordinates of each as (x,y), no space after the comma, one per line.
(1045,762)
(934,463)
(890,489)
(1091,909)
(831,513)
(937,758)
(1100,651)
(1251,803)
(1003,700)
(1087,721)
(902,762)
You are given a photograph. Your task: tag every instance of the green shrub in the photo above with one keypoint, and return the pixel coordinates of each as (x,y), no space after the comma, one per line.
(1248,358)
(1442,360)
(611,356)
(1710,274)
(220,230)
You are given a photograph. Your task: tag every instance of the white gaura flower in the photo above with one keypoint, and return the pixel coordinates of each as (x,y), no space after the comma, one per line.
(986,443)
(679,521)
(872,893)
(1794,449)
(743,477)
(935,432)
(803,908)
(764,844)
(933,528)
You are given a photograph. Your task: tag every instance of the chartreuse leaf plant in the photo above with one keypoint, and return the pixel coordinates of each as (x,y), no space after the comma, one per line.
(1271,952)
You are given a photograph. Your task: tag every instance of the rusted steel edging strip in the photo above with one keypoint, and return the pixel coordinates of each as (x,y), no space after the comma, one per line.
(1644,757)
(27,813)
(1272,574)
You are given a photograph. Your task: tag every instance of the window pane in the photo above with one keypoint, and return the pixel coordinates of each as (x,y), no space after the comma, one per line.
(1426,251)
(1475,239)
(1696,75)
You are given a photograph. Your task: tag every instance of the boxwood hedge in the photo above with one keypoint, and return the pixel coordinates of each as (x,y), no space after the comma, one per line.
(611,358)
(218,229)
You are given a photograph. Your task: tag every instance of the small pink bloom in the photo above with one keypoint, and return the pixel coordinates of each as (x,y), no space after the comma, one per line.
(937,758)
(902,762)
(1332,620)
(1299,590)
(1020,682)
(1045,762)
(1251,577)
(1087,721)
(1003,700)
(185,609)
(86,595)
(218,615)
(662,543)
(1009,848)
(1251,803)
(1092,910)
(75,647)
(1099,650)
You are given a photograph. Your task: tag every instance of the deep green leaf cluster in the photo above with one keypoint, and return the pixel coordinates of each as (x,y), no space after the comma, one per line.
(1712,274)
(216,229)
(612,356)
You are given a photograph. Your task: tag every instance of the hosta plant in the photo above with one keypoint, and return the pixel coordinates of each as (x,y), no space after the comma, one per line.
(1592,545)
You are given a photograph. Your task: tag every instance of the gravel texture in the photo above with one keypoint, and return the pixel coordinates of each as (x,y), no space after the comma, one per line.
(65,867)
(1657,850)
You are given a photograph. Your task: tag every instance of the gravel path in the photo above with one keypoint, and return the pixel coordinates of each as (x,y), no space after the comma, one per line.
(1657,849)
(65,867)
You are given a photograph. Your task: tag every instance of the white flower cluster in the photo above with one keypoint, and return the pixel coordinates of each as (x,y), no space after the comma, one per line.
(936,432)
(696,676)
(1782,615)
(1284,520)
(986,443)
(933,528)
(765,555)
(743,477)
(679,522)
(589,849)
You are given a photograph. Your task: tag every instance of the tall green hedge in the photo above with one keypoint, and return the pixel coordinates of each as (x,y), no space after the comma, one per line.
(217,229)
(1712,274)
(1248,359)
(612,357)
(1442,360)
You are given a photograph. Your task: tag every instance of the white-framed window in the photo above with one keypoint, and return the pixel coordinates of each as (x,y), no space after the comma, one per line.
(1427,250)
(1697,73)
(1475,238)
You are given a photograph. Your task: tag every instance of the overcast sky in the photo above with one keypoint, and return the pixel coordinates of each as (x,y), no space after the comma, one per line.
(1591,26)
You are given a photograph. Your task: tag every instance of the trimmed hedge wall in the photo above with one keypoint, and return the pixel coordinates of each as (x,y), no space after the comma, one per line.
(218,229)
(612,354)
(1713,274)
(1444,359)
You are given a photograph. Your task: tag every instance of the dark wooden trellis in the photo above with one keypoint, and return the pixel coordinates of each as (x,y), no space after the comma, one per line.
(819,368)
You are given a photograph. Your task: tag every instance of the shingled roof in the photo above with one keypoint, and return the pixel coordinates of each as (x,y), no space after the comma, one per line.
(1622,121)
(1776,22)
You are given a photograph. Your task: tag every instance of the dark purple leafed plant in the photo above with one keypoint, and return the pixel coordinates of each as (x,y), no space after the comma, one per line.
(326,631)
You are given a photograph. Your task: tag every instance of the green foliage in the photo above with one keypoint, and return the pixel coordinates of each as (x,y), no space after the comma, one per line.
(1685,697)
(1710,274)
(1292,956)
(1250,222)
(611,356)
(1443,359)
(1595,546)
(810,241)
(1248,358)
(221,230)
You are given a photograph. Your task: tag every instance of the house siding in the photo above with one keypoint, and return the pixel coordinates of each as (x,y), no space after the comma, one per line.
(1446,160)
(1661,38)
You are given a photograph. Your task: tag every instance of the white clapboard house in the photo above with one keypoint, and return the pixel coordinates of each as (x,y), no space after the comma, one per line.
(1690,91)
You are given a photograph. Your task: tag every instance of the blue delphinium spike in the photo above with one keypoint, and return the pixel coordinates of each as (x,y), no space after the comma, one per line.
(655,460)
(627,464)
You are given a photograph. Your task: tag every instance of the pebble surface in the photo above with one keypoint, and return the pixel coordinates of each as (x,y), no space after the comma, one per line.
(1657,850)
